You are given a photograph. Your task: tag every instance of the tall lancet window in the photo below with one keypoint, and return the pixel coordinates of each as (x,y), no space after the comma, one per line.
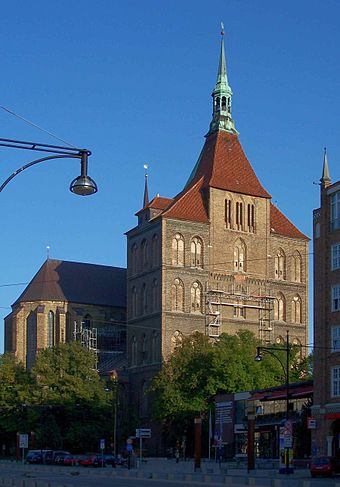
(178,250)
(50,329)
(196,297)
(280,265)
(196,252)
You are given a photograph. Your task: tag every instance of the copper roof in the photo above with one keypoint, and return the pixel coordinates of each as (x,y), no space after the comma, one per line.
(279,224)
(77,282)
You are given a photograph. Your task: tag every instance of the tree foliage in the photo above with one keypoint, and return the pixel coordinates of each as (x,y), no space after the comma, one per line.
(199,369)
(63,400)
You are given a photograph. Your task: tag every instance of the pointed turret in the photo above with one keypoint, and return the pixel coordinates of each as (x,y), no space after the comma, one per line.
(222,94)
(325,179)
(146,191)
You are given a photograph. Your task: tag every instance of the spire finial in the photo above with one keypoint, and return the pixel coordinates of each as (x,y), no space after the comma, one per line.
(325,179)
(222,94)
(146,192)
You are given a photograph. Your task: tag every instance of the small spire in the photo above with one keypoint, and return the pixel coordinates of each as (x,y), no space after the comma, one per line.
(146,192)
(222,94)
(325,179)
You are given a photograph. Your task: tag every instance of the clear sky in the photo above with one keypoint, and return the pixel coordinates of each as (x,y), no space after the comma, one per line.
(131,81)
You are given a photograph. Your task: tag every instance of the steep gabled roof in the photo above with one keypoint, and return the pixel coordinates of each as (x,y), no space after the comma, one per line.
(157,203)
(225,166)
(59,280)
(189,205)
(279,224)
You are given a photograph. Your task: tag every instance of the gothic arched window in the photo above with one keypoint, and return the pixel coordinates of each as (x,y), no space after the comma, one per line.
(134,350)
(50,329)
(280,265)
(144,349)
(144,299)
(196,297)
(134,302)
(144,254)
(296,309)
(177,295)
(240,256)
(155,251)
(176,340)
(196,252)
(154,345)
(134,258)
(154,296)
(296,267)
(279,308)
(178,250)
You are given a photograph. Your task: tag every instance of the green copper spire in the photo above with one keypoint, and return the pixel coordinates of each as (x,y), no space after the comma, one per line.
(325,179)
(222,94)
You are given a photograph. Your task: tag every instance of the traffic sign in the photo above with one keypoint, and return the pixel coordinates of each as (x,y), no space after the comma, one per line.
(129,447)
(129,441)
(23,441)
(102,444)
(311,422)
(143,433)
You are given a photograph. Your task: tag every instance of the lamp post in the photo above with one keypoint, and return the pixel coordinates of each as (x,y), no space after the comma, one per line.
(82,185)
(285,368)
(114,380)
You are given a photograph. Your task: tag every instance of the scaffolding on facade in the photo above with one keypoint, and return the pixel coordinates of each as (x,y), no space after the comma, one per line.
(240,299)
(87,337)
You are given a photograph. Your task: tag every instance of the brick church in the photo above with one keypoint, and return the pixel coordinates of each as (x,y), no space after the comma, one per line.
(218,257)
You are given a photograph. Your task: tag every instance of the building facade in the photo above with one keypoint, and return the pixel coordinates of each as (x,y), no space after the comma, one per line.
(68,301)
(218,257)
(326,409)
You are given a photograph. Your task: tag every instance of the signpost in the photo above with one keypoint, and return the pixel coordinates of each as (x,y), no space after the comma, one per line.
(102,448)
(23,443)
(142,433)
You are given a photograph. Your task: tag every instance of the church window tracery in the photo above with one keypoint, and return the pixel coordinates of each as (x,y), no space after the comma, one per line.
(280,265)
(196,297)
(177,295)
(196,252)
(178,250)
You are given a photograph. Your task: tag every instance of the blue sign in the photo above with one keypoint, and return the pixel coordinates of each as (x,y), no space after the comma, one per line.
(129,448)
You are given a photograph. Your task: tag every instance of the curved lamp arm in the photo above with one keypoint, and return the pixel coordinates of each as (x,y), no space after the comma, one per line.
(83,185)
(258,358)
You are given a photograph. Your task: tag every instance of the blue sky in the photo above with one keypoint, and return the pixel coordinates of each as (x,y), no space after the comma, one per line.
(131,81)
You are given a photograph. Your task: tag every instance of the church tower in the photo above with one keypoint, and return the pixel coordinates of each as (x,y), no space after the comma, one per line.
(217,258)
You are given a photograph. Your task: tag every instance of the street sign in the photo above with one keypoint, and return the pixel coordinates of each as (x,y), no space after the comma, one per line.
(129,448)
(129,441)
(102,444)
(23,441)
(311,423)
(143,433)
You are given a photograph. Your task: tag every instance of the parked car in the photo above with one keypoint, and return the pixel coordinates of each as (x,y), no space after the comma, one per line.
(34,456)
(324,466)
(50,456)
(70,460)
(87,460)
(98,461)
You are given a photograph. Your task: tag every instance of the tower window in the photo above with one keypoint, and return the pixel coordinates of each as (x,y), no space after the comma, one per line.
(224,103)
(178,250)
(250,217)
(239,216)
(217,106)
(228,214)
(196,252)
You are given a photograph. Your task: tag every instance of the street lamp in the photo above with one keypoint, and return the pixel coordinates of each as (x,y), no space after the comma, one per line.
(82,185)
(285,368)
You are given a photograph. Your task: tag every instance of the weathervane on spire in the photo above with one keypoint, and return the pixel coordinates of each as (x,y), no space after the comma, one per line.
(222,29)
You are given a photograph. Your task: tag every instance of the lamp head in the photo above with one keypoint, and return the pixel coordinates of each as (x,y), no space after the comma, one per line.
(258,357)
(83,185)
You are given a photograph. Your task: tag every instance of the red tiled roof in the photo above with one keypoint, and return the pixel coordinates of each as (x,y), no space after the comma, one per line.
(189,205)
(224,165)
(280,224)
(157,203)
(160,203)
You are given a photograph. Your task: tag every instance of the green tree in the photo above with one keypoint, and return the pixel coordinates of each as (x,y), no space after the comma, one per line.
(70,403)
(15,390)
